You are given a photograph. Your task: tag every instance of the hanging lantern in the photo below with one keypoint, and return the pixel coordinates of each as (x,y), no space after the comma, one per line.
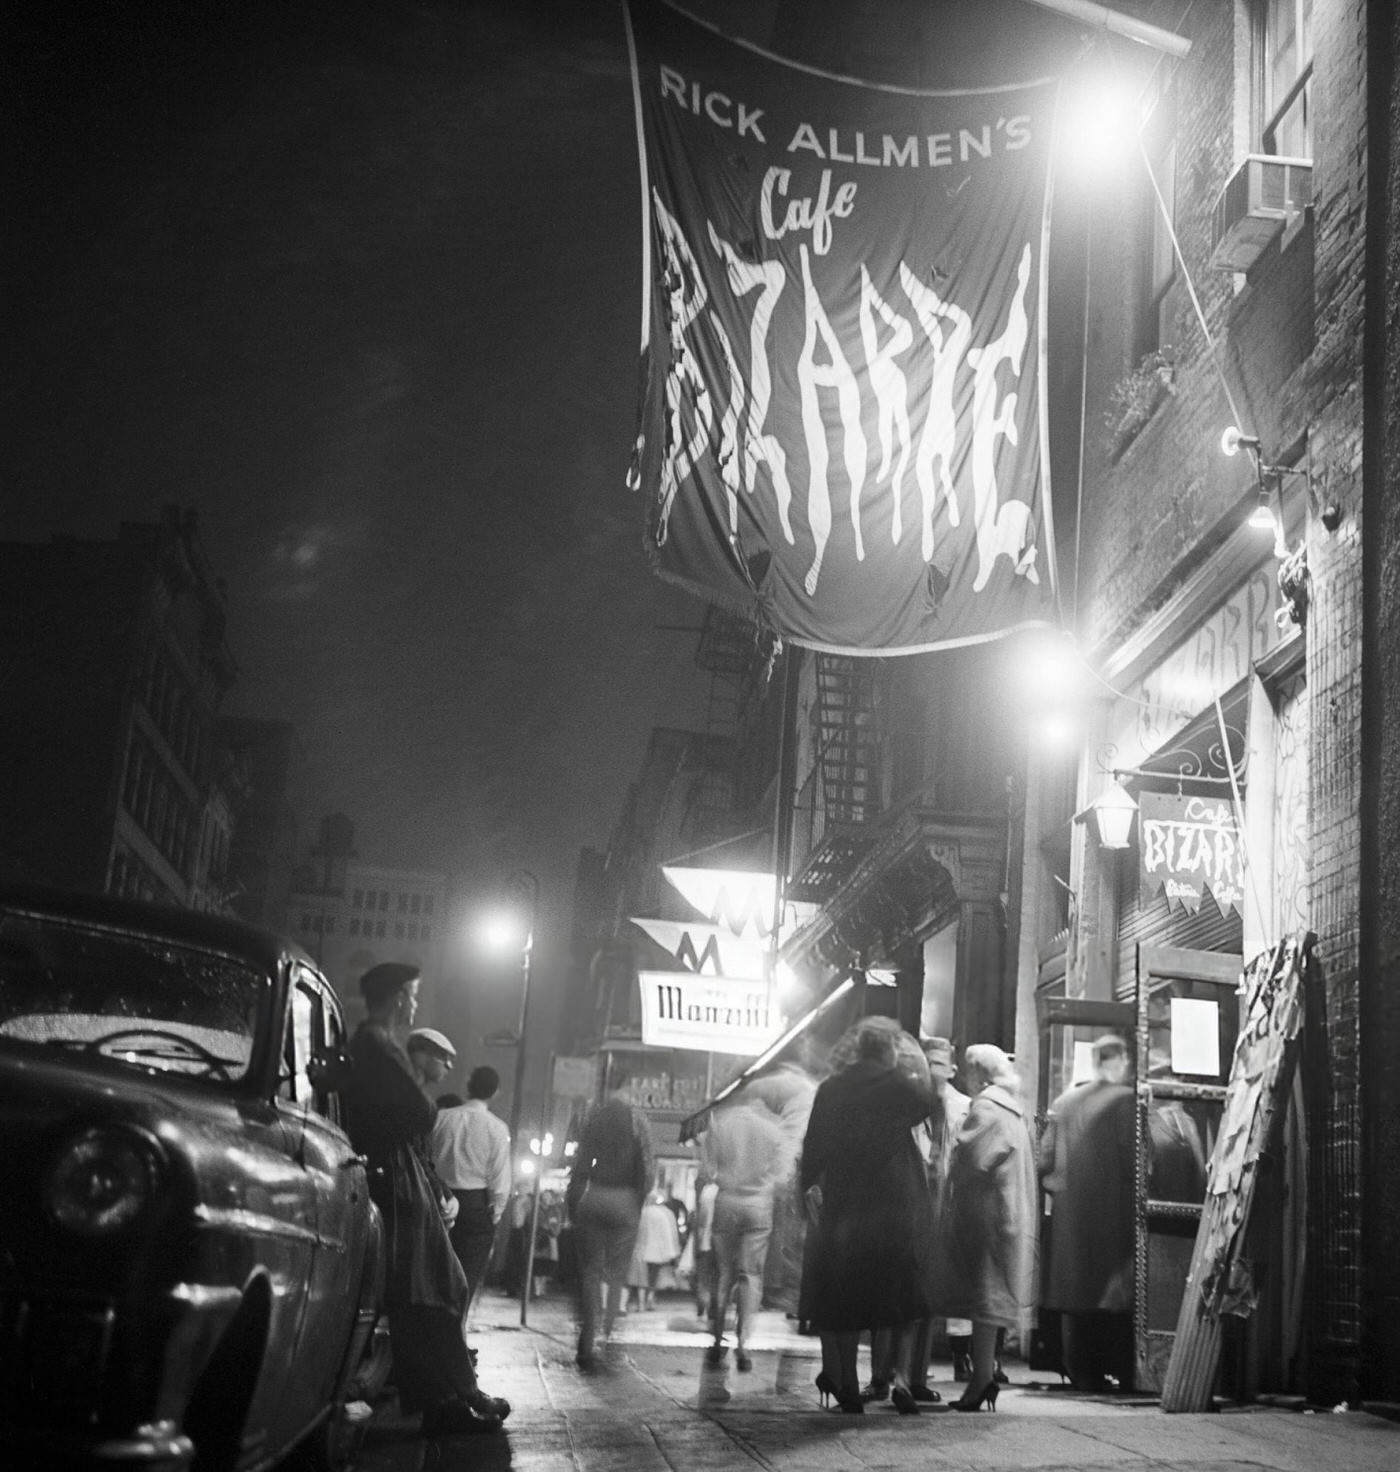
(1113,811)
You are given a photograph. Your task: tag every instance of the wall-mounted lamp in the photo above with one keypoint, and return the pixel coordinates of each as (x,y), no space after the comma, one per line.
(1232,440)
(1112,811)
(1268,514)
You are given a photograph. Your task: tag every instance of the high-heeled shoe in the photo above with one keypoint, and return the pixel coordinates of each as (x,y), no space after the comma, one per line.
(848,1403)
(988,1394)
(902,1398)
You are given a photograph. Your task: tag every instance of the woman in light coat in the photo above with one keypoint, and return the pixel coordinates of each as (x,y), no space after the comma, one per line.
(989,1250)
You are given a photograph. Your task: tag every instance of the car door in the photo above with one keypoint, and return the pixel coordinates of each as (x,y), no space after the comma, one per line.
(335,1175)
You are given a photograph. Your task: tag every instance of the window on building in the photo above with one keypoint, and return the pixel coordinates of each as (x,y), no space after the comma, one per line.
(383,899)
(398,930)
(427,932)
(413,930)
(354,925)
(415,904)
(379,928)
(403,904)
(427,904)
(359,901)
(1156,311)
(1286,46)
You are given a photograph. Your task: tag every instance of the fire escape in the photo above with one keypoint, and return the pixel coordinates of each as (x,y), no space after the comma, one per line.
(843,797)
(729,651)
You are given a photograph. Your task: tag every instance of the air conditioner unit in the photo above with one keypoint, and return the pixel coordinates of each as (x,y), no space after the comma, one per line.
(1257,202)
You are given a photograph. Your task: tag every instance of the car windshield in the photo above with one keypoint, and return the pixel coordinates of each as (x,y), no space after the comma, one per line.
(140,999)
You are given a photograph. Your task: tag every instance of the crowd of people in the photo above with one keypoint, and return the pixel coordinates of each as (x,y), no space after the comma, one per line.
(880,1201)
(885,1202)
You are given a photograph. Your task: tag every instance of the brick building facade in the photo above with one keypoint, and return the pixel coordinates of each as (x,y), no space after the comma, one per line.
(1233,267)
(1199,634)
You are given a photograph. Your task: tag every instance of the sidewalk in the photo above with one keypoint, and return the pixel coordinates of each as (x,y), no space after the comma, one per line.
(656,1407)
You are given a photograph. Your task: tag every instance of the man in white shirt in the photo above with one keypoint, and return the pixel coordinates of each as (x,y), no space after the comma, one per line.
(471,1153)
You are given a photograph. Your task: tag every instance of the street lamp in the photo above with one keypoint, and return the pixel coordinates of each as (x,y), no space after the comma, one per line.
(523,889)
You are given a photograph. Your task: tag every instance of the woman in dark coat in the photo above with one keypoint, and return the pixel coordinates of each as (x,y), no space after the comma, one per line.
(867,1259)
(988,1263)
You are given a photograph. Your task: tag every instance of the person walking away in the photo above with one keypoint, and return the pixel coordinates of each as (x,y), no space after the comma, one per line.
(988,1265)
(612,1170)
(702,1234)
(658,1244)
(871,1223)
(1087,1160)
(387,1113)
(787,1090)
(470,1149)
(742,1151)
(892,1351)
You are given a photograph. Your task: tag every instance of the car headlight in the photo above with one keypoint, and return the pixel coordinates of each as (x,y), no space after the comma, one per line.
(102,1179)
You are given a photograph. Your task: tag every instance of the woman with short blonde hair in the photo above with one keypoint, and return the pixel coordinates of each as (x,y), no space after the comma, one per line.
(989,1257)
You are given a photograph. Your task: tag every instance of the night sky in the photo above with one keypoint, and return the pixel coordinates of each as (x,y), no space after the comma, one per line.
(361,284)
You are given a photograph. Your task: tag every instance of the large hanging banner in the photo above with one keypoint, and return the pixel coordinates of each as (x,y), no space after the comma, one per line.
(842,426)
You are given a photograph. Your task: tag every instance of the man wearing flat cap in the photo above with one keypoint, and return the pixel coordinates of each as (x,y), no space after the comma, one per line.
(425,1290)
(431,1055)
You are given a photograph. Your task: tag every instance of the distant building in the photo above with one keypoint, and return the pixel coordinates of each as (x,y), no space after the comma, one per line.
(116,664)
(351,915)
(267,830)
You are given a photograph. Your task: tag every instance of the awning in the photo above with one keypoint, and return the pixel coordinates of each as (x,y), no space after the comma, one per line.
(694,1124)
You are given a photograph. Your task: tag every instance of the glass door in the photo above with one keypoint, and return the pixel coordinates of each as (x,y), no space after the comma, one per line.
(1186,1026)
(1068,1027)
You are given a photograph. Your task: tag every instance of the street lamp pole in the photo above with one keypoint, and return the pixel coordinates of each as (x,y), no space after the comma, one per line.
(526,887)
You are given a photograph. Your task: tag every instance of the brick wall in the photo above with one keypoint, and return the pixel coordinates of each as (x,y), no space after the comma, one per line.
(1379,1016)
(1288,349)
(1328,397)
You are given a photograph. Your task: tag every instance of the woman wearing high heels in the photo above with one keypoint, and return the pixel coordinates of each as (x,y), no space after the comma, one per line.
(988,1261)
(866,1264)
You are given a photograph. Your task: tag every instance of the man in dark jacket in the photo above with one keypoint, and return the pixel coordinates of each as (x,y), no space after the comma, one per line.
(611,1175)
(1086,1161)
(425,1290)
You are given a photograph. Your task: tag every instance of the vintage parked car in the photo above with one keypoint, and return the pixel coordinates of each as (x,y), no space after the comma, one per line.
(190,1263)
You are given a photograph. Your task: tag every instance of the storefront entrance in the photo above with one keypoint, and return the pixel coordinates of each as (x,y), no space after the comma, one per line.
(1181,1028)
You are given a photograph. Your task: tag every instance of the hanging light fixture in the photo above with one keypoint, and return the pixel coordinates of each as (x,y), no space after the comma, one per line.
(1265,517)
(1113,811)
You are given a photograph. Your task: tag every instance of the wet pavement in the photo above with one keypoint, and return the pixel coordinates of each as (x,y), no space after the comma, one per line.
(654,1405)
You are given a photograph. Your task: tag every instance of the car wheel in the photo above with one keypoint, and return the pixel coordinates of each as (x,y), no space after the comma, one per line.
(218,1409)
(336,1442)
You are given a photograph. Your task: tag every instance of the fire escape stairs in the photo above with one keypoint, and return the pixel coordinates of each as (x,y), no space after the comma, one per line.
(850,749)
